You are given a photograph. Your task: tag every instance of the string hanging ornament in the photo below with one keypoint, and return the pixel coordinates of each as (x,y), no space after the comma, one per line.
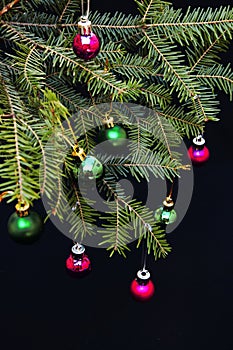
(142,288)
(167,214)
(24,225)
(115,134)
(78,263)
(90,166)
(86,44)
(198,152)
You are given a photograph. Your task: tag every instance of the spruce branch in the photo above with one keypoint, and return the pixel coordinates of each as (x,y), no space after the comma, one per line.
(81,211)
(8,7)
(217,76)
(20,137)
(64,10)
(185,125)
(135,215)
(40,143)
(207,51)
(171,71)
(162,58)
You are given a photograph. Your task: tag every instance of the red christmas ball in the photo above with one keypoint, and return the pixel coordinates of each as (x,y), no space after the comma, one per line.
(86,46)
(198,156)
(78,263)
(142,288)
(198,152)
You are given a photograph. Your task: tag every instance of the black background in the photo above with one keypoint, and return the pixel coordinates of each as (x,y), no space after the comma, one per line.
(43,308)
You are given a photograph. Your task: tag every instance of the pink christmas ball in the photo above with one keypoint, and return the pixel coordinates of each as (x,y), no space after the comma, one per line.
(142,292)
(78,265)
(198,156)
(86,46)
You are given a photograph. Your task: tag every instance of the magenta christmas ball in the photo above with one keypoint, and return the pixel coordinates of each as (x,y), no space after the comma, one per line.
(86,46)
(198,152)
(78,263)
(198,156)
(142,288)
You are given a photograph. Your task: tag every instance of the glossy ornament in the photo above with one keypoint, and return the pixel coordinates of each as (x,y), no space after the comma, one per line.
(91,168)
(116,135)
(25,229)
(142,288)
(167,213)
(78,263)
(86,44)
(198,152)
(165,216)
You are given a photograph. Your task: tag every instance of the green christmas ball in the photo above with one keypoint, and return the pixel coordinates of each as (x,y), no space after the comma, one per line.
(25,229)
(91,168)
(116,135)
(165,216)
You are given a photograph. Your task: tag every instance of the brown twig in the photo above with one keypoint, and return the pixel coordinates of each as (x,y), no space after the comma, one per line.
(8,7)
(4,194)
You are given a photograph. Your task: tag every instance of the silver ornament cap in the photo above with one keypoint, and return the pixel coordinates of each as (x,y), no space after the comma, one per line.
(78,249)
(84,26)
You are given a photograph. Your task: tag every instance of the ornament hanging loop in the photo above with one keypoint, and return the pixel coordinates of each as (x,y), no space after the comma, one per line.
(78,249)
(22,208)
(108,121)
(78,152)
(84,24)
(168,202)
(199,141)
(85,15)
(86,44)
(144,247)
(143,275)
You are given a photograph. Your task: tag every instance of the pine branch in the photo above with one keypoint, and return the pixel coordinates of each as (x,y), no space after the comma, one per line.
(18,167)
(139,164)
(64,10)
(206,57)
(134,215)
(217,76)
(163,59)
(44,160)
(81,212)
(173,69)
(184,123)
(8,7)
(97,80)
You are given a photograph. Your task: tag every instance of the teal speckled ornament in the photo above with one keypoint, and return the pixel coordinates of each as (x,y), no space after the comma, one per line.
(166,216)
(91,168)
(25,229)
